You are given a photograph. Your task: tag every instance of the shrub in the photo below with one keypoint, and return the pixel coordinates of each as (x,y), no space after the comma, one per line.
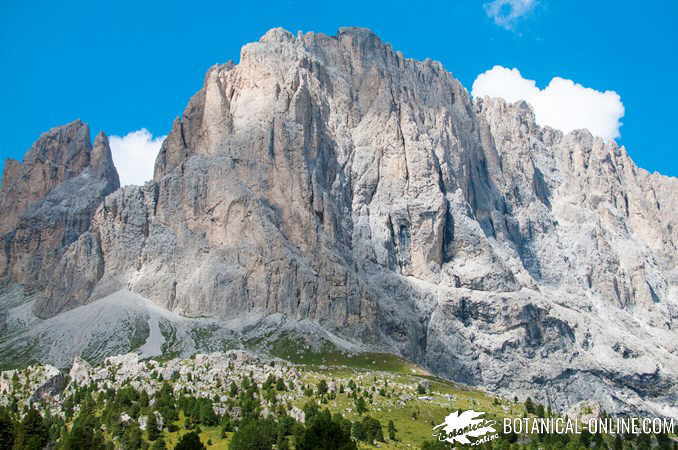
(190,441)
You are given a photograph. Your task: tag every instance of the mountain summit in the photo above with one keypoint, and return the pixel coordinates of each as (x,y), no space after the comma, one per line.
(328,184)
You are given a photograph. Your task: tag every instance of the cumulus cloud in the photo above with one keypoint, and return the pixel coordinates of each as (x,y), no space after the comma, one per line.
(563,104)
(134,155)
(505,13)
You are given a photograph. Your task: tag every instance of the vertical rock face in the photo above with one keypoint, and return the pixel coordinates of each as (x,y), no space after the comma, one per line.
(59,154)
(50,200)
(607,230)
(328,178)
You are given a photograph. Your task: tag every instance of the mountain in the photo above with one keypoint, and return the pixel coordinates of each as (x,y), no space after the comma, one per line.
(328,189)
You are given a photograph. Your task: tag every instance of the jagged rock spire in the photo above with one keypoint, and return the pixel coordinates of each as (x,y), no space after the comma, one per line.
(49,200)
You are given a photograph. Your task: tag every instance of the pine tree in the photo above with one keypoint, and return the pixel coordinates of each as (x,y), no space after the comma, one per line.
(373,429)
(585,438)
(311,410)
(322,387)
(282,443)
(268,384)
(529,406)
(206,413)
(84,433)
(358,431)
(132,439)
(190,441)
(15,381)
(226,425)
(159,444)
(285,425)
(254,435)
(644,441)
(324,432)
(618,443)
(435,445)
(540,411)
(152,427)
(143,399)
(664,442)
(392,430)
(360,405)
(32,433)
(6,430)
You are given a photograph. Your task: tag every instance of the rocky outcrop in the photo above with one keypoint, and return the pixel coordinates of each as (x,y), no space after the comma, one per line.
(80,371)
(50,200)
(331,179)
(60,154)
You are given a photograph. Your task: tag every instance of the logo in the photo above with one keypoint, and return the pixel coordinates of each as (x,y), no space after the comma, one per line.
(460,426)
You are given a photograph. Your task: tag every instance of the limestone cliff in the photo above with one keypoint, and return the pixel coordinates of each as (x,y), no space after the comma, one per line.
(49,201)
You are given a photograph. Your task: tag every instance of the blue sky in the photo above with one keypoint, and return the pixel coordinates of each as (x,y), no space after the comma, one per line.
(122,66)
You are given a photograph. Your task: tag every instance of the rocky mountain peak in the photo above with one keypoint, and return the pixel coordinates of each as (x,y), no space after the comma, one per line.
(49,200)
(277,35)
(102,161)
(64,146)
(58,155)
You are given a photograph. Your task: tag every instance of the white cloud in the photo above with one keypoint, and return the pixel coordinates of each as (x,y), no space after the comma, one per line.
(563,104)
(505,13)
(134,156)
(508,84)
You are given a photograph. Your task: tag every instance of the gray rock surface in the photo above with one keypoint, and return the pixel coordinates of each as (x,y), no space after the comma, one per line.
(330,179)
(50,200)
(60,154)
